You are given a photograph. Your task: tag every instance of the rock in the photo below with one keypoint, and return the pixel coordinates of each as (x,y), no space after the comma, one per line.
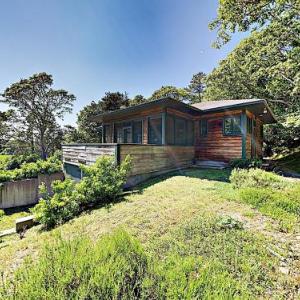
(24,223)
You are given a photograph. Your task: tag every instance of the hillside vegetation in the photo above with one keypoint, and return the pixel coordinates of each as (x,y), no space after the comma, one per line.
(182,236)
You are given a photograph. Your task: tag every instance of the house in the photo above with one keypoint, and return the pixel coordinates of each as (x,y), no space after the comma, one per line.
(167,134)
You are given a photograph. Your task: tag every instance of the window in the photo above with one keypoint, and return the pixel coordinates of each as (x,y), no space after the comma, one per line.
(170,130)
(249,125)
(72,170)
(232,126)
(155,131)
(190,133)
(203,127)
(180,132)
(137,129)
(106,134)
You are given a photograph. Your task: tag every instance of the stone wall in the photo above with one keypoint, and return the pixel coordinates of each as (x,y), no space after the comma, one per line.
(25,192)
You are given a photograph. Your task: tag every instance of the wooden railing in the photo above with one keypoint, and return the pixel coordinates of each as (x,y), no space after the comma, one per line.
(87,153)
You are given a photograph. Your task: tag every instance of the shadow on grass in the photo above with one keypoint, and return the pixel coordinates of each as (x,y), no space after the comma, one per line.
(207,174)
(14,210)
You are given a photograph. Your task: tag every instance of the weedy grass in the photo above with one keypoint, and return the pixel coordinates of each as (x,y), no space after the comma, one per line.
(189,249)
(271,194)
(201,259)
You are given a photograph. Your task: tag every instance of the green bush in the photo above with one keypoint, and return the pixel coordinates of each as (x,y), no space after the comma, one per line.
(102,183)
(2,213)
(16,161)
(59,208)
(113,268)
(256,178)
(240,163)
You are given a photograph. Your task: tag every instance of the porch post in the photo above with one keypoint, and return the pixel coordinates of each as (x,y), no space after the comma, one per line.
(102,133)
(163,128)
(244,133)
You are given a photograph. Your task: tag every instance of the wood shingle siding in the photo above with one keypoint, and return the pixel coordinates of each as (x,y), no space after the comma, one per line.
(215,145)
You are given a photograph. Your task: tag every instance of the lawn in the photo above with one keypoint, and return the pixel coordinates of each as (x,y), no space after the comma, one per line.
(10,216)
(179,220)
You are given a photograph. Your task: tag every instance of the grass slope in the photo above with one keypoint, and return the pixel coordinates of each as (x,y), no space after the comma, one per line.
(176,216)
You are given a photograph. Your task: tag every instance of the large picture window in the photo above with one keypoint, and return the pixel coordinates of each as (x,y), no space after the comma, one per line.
(232,125)
(155,130)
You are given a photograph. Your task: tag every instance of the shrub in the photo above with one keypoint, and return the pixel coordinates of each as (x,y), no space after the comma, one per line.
(102,183)
(256,178)
(245,163)
(59,208)
(32,169)
(2,213)
(113,268)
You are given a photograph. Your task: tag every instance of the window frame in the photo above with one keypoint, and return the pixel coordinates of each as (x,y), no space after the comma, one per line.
(232,133)
(153,117)
(122,128)
(201,133)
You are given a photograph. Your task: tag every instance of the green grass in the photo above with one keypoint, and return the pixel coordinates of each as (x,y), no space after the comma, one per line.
(290,163)
(175,218)
(10,216)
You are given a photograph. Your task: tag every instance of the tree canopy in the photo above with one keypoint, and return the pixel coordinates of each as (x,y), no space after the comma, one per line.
(171,91)
(38,106)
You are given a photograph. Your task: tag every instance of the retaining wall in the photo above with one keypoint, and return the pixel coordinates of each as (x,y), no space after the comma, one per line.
(25,192)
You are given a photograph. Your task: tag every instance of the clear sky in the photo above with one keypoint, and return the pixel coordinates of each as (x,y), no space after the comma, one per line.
(94,46)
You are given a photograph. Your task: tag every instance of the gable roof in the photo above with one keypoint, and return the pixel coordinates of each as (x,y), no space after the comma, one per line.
(259,107)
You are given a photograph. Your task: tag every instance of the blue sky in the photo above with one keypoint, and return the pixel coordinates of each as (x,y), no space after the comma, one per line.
(94,46)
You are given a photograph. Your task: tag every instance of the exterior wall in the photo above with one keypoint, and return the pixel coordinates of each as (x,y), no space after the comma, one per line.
(25,192)
(153,158)
(216,146)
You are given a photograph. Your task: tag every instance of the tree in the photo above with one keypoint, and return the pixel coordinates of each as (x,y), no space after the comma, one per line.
(197,86)
(39,105)
(90,131)
(138,99)
(242,15)
(173,92)
(264,65)
(114,101)
(5,128)
(71,135)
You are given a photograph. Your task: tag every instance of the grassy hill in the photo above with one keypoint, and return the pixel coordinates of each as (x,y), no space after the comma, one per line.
(191,224)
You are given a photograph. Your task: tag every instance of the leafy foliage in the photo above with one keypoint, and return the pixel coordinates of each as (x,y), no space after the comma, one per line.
(243,15)
(31,169)
(38,105)
(245,163)
(102,184)
(196,87)
(89,131)
(138,99)
(2,213)
(171,91)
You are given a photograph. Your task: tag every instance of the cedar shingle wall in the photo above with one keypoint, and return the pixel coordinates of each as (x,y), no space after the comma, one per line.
(216,146)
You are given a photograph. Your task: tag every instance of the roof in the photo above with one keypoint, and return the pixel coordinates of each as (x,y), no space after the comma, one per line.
(257,106)
(163,102)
